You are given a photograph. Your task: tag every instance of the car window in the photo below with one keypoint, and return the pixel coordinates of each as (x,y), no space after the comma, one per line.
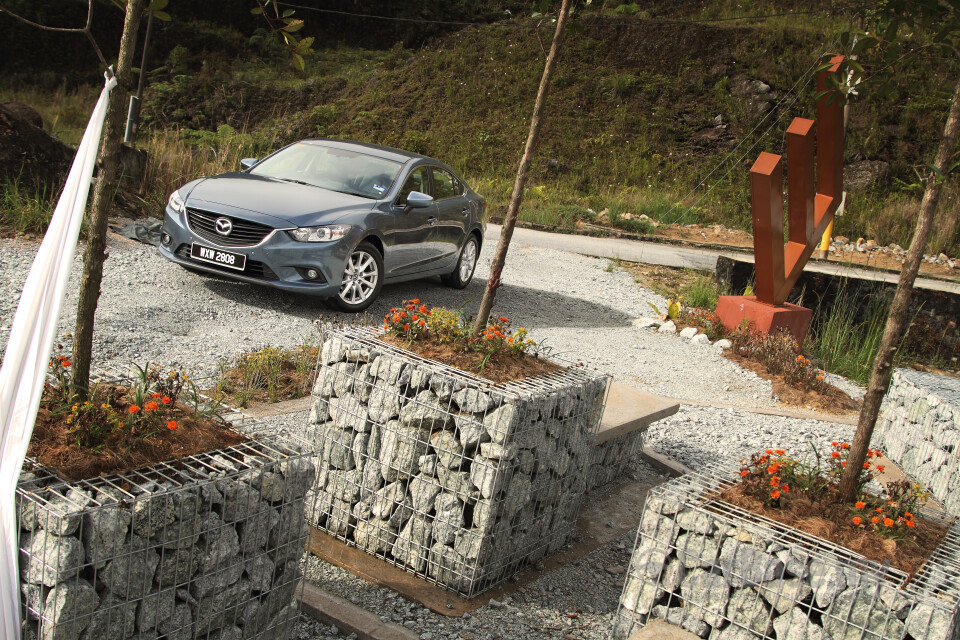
(444,185)
(343,170)
(417,181)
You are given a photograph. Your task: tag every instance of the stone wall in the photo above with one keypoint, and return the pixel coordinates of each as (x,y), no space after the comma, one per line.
(919,429)
(207,548)
(443,473)
(608,461)
(725,574)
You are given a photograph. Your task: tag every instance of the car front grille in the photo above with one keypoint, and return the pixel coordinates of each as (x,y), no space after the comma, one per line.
(254,268)
(243,234)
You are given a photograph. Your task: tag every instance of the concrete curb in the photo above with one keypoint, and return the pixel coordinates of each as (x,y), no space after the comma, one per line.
(348,617)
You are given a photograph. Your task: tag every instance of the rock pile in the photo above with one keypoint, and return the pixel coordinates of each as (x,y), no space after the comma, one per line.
(216,554)
(722,575)
(919,429)
(437,471)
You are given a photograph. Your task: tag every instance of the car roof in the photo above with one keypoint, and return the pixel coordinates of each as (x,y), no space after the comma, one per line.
(387,153)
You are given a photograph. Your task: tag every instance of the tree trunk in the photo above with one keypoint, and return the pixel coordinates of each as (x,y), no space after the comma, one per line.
(898,318)
(103,190)
(510,219)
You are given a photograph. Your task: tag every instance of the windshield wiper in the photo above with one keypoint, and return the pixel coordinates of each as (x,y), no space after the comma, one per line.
(306,184)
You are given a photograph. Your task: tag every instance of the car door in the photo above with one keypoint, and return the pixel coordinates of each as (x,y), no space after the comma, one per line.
(453,213)
(411,246)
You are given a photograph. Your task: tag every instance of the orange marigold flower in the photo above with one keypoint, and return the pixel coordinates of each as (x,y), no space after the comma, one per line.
(415,301)
(775,494)
(845,445)
(509,340)
(908,516)
(910,524)
(504,319)
(166,400)
(156,394)
(423,308)
(774,481)
(835,454)
(819,378)
(843,463)
(403,314)
(785,488)
(65,362)
(415,318)
(396,318)
(423,323)
(772,469)
(866,465)
(779,452)
(879,509)
(406,327)
(887,522)
(172,425)
(880,468)
(744,473)
(769,452)
(133,408)
(859,505)
(834,444)
(874,519)
(151,406)
(857,520)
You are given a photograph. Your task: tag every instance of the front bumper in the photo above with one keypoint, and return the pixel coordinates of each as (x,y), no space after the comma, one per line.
(278,261)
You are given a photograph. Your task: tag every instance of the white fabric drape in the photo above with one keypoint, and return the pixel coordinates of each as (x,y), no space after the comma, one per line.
(28,350)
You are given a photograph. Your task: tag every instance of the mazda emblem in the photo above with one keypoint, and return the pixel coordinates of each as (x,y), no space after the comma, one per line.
(223,226)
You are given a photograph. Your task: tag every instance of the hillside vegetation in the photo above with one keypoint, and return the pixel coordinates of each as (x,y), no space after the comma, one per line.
(649,113)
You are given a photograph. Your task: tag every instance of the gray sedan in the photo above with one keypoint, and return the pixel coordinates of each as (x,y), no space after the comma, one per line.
(329,218)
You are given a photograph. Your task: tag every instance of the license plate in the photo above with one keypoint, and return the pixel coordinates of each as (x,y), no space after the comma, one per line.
(218,256)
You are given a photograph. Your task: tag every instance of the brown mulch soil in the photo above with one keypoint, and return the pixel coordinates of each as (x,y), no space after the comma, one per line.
(500,368)
(54,444)
(832,521)
(828,399)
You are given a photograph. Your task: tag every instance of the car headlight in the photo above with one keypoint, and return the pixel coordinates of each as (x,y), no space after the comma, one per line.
(176,203)
(326,233)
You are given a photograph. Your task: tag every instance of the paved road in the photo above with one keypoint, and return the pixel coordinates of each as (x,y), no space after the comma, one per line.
(687,257)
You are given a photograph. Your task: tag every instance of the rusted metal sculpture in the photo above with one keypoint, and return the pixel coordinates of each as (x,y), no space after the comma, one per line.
(812,202)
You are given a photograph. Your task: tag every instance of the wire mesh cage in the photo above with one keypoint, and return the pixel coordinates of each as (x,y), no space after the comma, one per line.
(722,572)
(608,461)
(443,473)
(919,429)
(206,546)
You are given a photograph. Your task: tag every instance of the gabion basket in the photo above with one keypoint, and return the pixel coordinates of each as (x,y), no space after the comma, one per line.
(724,573)
(919,429)
(206,546)
(443,473)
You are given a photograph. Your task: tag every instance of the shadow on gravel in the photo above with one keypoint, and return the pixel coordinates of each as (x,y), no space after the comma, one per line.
(525,306)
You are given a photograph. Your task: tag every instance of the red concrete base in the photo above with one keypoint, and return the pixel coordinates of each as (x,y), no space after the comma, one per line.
(764,318)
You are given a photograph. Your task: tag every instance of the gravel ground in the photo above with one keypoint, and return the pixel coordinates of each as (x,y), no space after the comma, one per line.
(152,310)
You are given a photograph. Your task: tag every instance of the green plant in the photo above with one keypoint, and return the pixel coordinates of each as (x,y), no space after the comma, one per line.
(267,374)
(23,212)
(846,339)
(780,354)
(702,293)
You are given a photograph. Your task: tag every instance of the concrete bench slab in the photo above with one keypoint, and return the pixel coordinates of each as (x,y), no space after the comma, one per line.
(629,410)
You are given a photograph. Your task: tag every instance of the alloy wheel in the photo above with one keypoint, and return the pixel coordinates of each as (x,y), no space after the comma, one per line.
(359,278)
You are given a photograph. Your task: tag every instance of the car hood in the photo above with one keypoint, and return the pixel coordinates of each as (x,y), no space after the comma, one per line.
(273,202)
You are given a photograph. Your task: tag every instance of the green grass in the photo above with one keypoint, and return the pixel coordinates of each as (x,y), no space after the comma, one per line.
(22,211)
(620,120)
(846,340)
(702,293)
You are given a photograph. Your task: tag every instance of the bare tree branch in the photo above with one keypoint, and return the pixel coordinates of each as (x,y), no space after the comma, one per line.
(84,30)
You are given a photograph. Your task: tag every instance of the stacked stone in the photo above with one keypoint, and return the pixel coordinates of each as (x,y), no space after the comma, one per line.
(608,460)
(214,556)
(919,429)
(722,575)
(453,478)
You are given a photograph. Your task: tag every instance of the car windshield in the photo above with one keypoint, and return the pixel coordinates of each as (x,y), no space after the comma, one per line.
(331,168)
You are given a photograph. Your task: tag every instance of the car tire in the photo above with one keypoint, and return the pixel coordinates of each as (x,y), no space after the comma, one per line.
(461,276)
(362,279)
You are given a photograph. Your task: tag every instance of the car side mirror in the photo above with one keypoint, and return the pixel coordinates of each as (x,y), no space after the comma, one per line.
(418,200)
(247,163)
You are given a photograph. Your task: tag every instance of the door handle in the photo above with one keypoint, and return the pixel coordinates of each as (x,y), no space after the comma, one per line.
(432,220)
(465,211)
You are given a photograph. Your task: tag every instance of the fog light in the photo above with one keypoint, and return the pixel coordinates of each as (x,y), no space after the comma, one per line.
(312,274)
(165,238)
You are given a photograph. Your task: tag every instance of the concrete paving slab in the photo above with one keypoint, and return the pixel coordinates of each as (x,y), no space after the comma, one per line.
(660,630)
(629,409)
